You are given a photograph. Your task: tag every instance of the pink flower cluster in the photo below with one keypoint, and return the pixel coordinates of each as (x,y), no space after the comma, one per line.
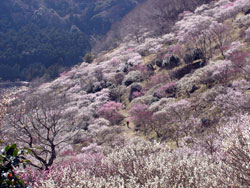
(141,114)
(137,94)
(110,111)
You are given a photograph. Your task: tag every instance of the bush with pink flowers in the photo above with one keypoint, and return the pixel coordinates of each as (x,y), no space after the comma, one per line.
(110,111)
(141,115)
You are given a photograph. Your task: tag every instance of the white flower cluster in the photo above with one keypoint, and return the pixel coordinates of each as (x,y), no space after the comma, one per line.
(148,165)
(133,76)
(214,70)
(228,9)
(234,47)
(199,21)
(232,101)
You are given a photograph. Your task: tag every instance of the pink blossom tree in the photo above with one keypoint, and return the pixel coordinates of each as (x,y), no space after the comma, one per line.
(110,111)
(141,116)
(239,59)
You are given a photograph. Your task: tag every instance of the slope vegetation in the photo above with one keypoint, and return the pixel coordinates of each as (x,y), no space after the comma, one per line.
(167,111)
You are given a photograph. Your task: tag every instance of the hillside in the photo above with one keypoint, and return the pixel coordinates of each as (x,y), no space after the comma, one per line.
(42,37)
(169,110)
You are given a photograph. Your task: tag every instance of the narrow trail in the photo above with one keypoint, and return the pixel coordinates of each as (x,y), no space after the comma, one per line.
(129,132)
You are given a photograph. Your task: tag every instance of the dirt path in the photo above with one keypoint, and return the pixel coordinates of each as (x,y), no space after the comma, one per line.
(129,132)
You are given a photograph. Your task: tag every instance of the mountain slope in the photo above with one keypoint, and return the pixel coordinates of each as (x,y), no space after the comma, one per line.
(188,91)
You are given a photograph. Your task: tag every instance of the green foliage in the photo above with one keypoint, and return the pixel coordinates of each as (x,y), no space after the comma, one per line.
(34,38)
(37,49)
(10,159)
(89,57)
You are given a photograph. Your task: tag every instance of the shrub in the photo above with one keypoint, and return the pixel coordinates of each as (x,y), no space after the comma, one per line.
(118,78)
(171,62)
(116,93)
(194,55)
(188,58)
(158,62)
(198,54)
(167,90)
(10,159)
(182,71)
(135,91)
(131,77)
(89,57)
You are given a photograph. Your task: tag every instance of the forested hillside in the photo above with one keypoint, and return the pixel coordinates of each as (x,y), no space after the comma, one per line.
(166,107)
(41,37)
